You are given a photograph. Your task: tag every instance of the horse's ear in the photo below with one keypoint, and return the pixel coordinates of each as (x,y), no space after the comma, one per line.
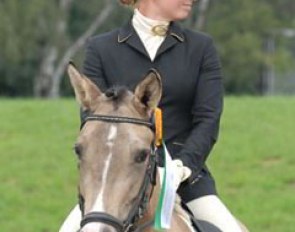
(149,90)
(86,92)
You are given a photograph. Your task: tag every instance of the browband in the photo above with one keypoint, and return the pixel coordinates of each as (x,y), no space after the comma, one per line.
(118,119)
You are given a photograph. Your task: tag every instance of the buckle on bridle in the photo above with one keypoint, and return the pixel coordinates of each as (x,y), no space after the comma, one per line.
(128,227)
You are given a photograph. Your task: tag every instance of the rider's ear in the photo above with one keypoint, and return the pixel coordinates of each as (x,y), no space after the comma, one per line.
(149,90)
(85,90)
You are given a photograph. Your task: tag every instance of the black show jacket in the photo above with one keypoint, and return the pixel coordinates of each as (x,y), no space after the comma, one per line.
(192,97)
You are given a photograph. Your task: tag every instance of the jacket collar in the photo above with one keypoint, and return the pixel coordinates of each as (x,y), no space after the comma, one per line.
(128,31)
(176,31)
(128,35)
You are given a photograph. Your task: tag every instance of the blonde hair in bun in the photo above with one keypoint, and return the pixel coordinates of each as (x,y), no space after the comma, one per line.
(128,2)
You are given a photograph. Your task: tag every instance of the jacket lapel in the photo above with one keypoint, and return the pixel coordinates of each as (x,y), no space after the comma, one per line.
(174,36)
(128,35)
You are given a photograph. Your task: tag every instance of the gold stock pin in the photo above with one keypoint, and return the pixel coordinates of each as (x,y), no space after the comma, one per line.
(160,30)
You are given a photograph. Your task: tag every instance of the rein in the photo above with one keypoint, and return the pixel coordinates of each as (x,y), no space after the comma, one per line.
(146,190)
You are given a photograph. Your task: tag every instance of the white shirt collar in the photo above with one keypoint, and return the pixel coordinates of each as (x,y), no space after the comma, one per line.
(145,24)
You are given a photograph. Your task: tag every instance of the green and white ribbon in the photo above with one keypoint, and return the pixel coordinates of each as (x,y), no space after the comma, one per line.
(167,196)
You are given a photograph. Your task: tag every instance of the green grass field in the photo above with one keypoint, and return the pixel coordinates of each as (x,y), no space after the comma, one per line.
(253,162)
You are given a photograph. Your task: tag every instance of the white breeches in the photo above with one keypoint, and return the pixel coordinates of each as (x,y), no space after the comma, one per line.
(72,222)
(211,209)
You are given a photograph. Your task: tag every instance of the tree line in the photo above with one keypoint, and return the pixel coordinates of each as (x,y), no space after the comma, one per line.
(39,37)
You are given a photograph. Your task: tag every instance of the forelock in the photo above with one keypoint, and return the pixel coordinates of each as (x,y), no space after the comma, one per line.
(117,94)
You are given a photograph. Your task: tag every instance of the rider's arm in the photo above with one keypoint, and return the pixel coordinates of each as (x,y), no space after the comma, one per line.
(207,109)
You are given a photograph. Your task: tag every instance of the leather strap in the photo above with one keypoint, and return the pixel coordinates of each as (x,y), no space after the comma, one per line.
(103,218)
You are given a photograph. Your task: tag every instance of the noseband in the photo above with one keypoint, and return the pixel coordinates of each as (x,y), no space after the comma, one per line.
(144,194)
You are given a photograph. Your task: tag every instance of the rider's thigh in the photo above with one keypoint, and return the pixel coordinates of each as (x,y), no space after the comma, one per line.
(211,209)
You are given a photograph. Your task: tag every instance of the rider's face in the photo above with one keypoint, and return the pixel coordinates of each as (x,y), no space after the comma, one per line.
(171,10)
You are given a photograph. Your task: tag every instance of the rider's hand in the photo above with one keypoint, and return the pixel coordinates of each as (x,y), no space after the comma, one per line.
(181,172)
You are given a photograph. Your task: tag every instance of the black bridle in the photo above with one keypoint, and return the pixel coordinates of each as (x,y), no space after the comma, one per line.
(144,194)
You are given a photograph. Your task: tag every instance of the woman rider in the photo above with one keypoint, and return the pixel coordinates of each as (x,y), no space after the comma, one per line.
(192,94)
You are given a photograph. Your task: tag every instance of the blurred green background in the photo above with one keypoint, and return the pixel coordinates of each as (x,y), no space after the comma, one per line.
(253,161)
(255,40)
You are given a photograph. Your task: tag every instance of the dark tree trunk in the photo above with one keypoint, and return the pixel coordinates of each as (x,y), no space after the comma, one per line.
(43,80)
(74,48)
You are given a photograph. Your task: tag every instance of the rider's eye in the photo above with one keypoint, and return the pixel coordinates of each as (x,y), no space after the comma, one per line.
(141,156)
(78,150)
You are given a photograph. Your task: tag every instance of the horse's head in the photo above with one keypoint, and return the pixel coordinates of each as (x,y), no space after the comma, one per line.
(113,157)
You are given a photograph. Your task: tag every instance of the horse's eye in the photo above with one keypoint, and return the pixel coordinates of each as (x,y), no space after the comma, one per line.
(78,150)
(141,156)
